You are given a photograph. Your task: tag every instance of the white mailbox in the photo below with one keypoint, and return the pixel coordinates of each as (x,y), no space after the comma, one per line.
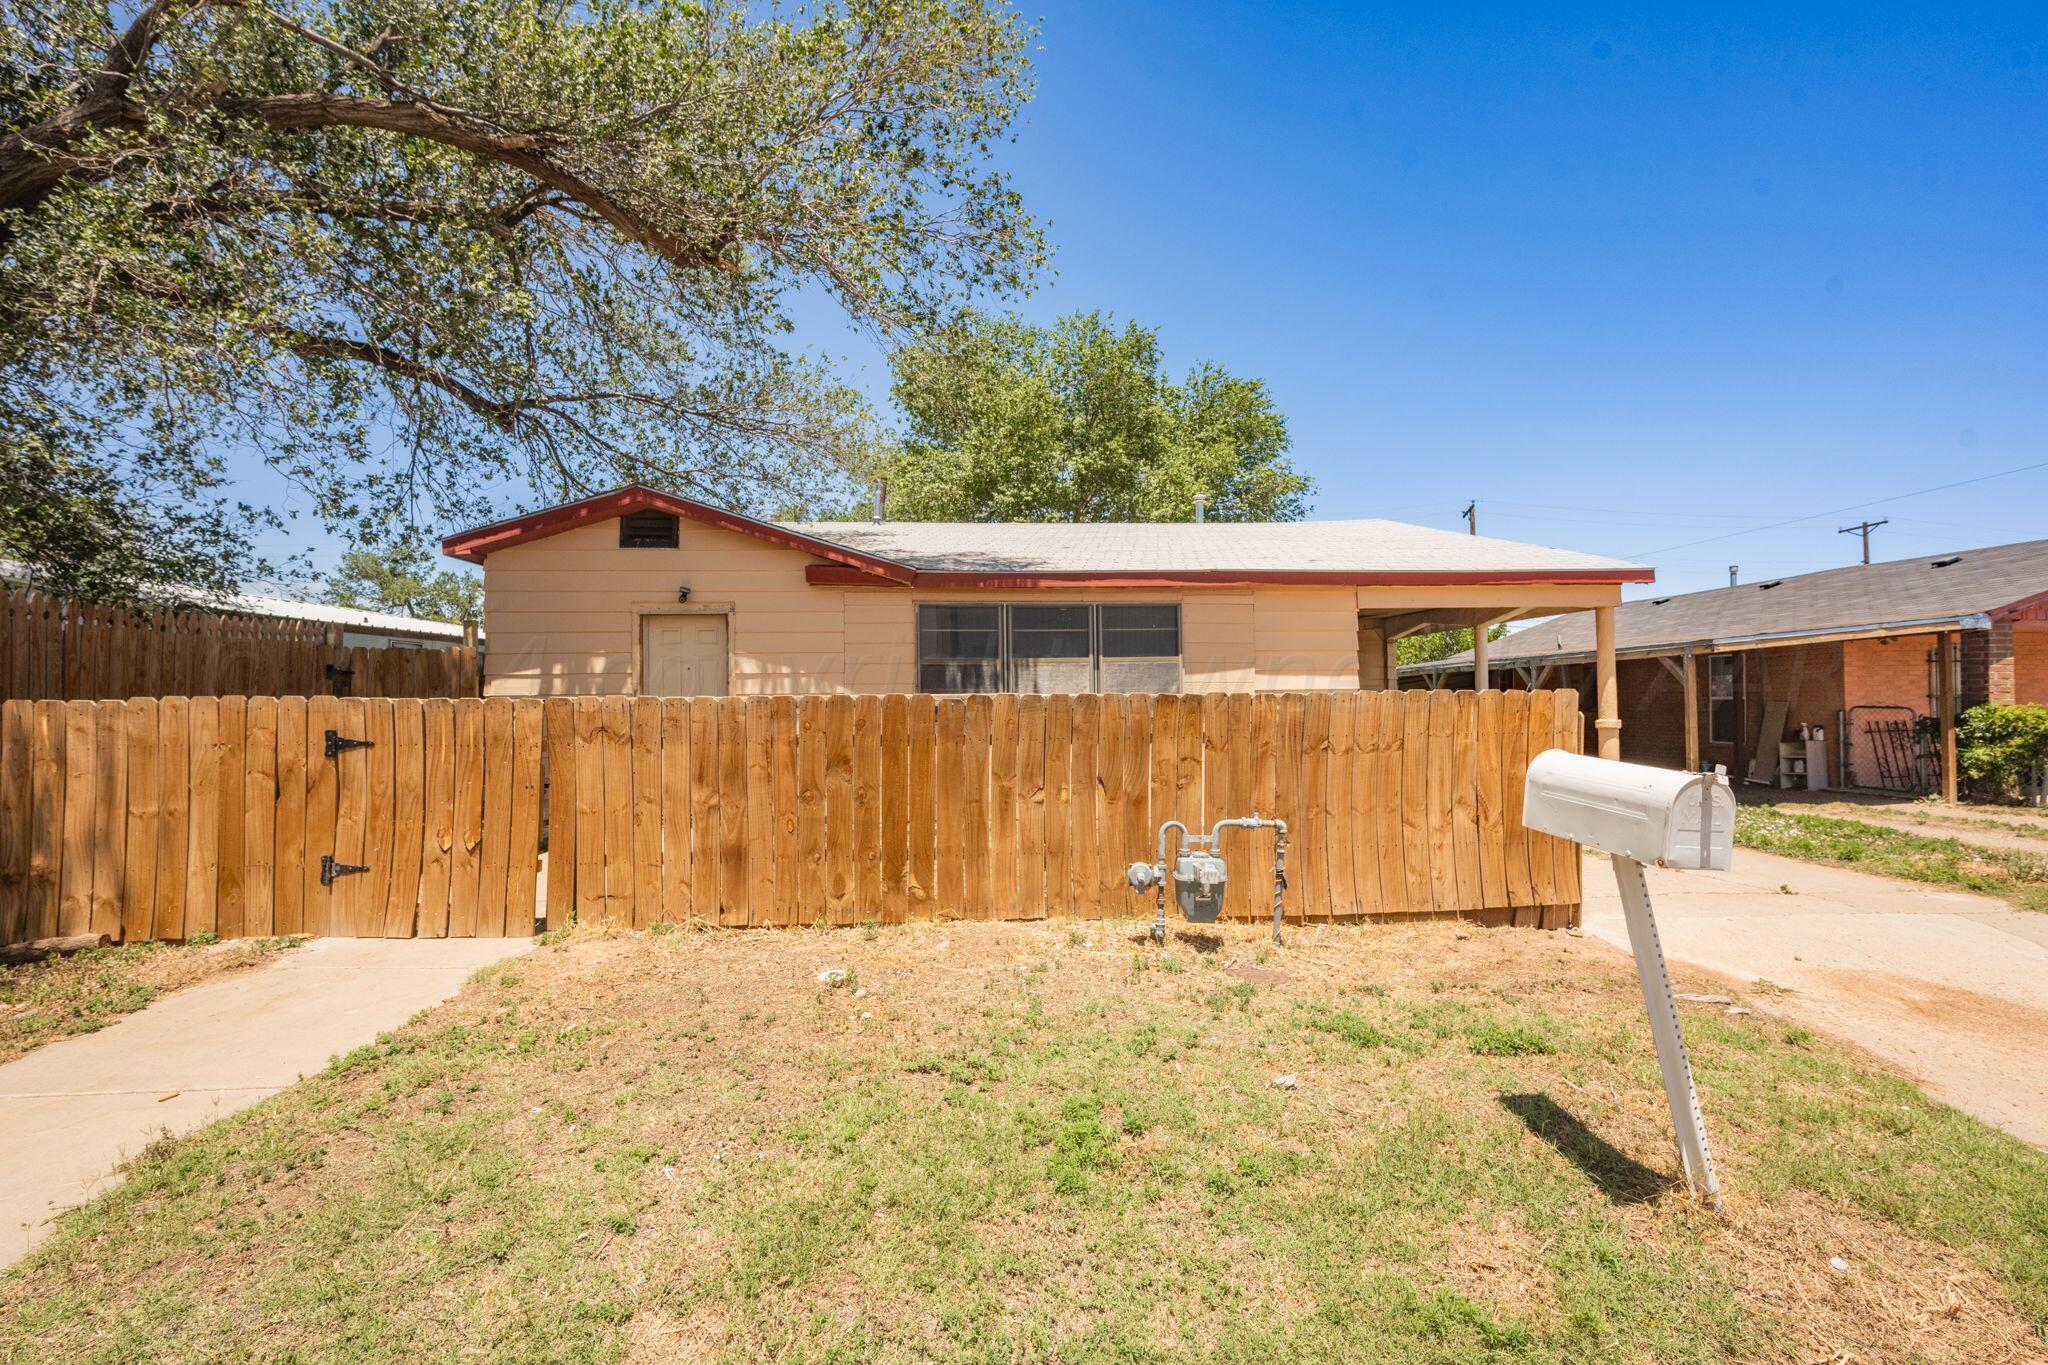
(1643,815)
(1653,815)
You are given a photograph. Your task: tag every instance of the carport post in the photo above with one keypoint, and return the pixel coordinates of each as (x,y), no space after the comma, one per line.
(1481,679)
(1945,711)
(1692,714)
(1607,711)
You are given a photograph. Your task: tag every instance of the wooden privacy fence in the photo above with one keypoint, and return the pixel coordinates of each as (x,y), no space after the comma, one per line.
(60,649)
(169,818)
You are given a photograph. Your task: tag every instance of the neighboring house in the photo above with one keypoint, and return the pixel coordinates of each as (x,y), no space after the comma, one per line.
(1854,651)
(636,591)
(359,629)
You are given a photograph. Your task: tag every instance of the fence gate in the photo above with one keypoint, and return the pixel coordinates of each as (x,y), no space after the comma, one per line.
(1888,750)
(249,816)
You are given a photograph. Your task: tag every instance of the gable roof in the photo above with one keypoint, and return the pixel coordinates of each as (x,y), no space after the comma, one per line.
(1921,593)
(1017,554)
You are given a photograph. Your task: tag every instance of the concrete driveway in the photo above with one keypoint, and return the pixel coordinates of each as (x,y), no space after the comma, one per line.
(1950,987)
(72,1111)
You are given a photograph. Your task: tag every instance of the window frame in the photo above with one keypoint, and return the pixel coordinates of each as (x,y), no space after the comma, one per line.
(1007,656)
(1720,664)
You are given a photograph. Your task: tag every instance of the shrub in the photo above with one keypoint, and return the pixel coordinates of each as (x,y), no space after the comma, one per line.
(1997,747)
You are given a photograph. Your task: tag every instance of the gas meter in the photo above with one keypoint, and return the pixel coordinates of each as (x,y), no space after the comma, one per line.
(1200,874)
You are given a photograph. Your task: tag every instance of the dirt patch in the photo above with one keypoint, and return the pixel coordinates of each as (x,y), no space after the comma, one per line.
(1989,827)
(1951,1007)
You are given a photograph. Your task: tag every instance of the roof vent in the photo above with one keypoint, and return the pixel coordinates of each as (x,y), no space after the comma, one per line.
(649,530)
(1659,601)
(1766,587)
(1944,563)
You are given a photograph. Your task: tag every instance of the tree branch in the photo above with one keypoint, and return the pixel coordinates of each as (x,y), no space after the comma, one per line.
(309,346)
(526,152)
(37,159)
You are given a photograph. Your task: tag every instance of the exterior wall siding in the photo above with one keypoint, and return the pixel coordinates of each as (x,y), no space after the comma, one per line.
(563,617)
(1896,672)
(2030,664)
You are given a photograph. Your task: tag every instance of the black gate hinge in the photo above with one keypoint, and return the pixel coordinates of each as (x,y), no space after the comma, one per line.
(335,673)
(330,869)
(336,744)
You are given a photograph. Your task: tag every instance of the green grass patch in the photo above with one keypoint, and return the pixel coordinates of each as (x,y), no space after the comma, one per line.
(2014,875)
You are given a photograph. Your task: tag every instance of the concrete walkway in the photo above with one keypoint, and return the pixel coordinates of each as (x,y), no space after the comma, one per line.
(1952,988)
(72,1111)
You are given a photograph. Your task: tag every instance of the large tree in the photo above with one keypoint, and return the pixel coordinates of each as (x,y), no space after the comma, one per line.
(1079,421)
(406,580)
(426,257)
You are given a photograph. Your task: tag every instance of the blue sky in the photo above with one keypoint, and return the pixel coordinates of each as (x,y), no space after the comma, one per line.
(1632,279)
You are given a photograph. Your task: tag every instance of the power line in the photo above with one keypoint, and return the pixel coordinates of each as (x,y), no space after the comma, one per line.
(1837,511)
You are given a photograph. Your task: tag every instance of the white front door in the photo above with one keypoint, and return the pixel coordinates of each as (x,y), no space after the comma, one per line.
(683,656)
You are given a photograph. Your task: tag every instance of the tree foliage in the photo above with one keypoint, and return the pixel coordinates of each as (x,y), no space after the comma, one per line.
(415,253)
(1432,645)
(405,581)
(1078,421)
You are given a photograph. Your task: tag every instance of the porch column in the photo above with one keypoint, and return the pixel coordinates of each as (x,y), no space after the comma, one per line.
(1480,679)
(1945,710)
(1692,713)
(1607,709)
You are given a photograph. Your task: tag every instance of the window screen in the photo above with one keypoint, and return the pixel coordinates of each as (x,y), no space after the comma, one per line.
(1140,647)
(648,531)
(1721,699)
(960,649)
(1050,649)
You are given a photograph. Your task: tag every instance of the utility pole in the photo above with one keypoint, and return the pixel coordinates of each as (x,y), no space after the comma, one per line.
(1471,515)
(1864,528)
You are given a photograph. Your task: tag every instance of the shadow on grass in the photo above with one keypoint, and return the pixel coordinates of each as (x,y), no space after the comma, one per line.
(1620,1177)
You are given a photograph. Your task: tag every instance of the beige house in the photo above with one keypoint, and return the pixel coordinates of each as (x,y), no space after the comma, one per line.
(636,591)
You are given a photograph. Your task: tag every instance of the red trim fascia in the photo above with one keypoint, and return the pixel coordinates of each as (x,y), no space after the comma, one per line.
(833,575)
(2019,608)
(475,544)
(846,576)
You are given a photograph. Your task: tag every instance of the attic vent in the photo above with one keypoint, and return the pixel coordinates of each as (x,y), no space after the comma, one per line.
(648,531)
(1659,601)
(1944,563)
(1766,587)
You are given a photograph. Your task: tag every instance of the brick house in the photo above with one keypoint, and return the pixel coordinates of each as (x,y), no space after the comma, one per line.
(1856,652)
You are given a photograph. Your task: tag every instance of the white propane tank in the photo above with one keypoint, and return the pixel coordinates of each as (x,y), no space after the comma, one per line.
(1652,815)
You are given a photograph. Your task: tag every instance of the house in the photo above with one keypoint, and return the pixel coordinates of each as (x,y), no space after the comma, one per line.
(361,629)
(354,628)
(636,591)
(1727,676)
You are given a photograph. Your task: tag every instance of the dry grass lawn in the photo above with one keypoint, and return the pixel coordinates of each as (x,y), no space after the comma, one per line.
(995,1142)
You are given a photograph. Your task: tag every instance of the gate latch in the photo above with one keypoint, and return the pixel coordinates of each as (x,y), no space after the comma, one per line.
(330,869)
(336,744)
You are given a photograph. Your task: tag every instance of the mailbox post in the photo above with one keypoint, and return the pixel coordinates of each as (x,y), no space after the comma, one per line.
(1637,814)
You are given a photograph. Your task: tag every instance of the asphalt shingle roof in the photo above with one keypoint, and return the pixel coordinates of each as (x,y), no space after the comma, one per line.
(1926,588)
(1309,546)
